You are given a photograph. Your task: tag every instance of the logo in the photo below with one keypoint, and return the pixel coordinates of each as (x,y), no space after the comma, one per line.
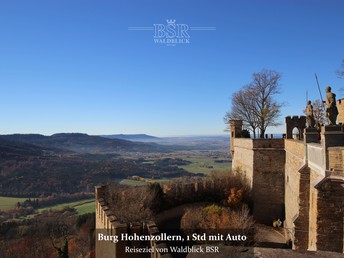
(171,33)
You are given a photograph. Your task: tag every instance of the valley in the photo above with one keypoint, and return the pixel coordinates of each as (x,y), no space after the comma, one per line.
(58,167)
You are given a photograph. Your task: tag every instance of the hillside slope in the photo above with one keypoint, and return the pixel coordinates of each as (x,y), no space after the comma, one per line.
(79,142)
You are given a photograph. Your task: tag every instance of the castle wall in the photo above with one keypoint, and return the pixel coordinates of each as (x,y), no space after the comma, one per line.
(302,221)
(235,127)
(295,159)
(107,224)
(336,160)
(313,173)
(268,143)
(243,158)
(330,219)
(313,210)
(268,180)
(330,216)
(260,162)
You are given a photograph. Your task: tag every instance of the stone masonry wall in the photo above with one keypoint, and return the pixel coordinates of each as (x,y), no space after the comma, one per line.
(302,220)
(330,217)
(261,162)
(105,224)
(243,158)
(313,210)
(313,183)
(108,224)
(295,159)
(330,221)
(268,184)
(336,160)
(268,143)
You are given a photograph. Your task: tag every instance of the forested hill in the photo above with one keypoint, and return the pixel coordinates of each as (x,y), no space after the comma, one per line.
(79,142)
(28,170)
(13,149)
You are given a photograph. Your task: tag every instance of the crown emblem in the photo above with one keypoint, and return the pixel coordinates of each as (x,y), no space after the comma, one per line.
(171,21)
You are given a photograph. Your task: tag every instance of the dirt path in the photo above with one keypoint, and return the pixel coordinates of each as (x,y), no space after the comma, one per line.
(177,212)
(266,236)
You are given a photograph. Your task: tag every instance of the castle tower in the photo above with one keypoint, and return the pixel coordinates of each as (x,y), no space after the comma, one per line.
(298,122)
(235,130)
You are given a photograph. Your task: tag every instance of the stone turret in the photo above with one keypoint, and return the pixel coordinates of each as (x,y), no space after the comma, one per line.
(235,130)
(298,122)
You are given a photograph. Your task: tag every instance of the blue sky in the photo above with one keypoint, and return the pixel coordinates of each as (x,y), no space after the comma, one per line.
(73,66)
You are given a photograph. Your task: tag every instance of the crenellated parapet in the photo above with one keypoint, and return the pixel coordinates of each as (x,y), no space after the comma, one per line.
(303,177)
(109,232)
(298,122)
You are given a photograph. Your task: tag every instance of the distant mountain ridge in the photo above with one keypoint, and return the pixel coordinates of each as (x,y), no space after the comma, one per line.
(188,141)
(84,143)
(79,142)
(131,137)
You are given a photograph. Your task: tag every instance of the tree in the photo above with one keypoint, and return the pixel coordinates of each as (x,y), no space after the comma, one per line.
(340,72)
(318,112)
(242,110)
(255,103)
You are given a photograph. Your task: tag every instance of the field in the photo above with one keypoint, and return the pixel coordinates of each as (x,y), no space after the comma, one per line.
(82,207)
(140,183)
(86,208)
(7,203)
(132,182)
(203,162)
(205,165)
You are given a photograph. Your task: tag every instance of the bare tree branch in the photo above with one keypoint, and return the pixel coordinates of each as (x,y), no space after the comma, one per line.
(255,104)
(318,112)
(340,72)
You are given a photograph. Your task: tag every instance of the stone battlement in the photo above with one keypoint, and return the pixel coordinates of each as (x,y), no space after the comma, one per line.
(107,224)
(299,179)
(294,118)
(258,143)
